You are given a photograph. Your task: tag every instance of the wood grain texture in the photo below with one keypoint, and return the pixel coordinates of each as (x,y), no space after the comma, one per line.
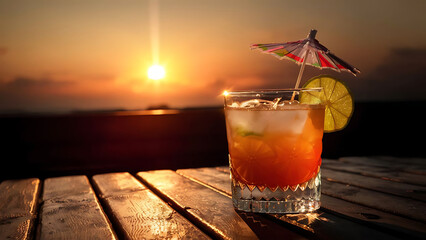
(137,213)
(71,210)
(377,184)
(212,210)
(370,216)
(223,169)
(219,180)
(18,208)
(409,165)
(383,172)
(323,224)
(115,184)
(389,203)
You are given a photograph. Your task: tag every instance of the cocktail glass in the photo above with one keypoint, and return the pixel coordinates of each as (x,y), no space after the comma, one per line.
(275,145)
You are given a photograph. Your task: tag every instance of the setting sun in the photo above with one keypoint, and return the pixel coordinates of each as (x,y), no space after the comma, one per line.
(156,72)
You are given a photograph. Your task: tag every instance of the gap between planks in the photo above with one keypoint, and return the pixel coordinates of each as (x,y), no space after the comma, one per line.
(408,165)
(382,172)
(297,222)
(71,210)
(212,209)
(376,184)
(414,228)
(137,213)
(413,208)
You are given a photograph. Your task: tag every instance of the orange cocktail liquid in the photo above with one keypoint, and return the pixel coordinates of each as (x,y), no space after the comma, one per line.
(275,148)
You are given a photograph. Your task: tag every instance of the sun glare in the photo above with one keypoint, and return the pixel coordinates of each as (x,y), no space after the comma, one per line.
(156,72)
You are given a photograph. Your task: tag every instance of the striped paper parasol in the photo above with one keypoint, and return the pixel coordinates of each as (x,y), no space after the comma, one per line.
(307,51)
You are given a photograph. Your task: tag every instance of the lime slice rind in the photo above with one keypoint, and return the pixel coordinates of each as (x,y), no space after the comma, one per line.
(336,97)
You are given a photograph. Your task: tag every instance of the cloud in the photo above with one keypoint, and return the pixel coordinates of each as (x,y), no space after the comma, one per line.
(400,76)
(25,83)
(406,62)
(23,93)
(67,76)
(26,94)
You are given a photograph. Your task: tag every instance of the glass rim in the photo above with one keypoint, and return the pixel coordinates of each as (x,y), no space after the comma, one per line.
(271,91)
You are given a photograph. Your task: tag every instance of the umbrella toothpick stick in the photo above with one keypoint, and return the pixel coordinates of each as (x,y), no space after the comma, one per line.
(299,77)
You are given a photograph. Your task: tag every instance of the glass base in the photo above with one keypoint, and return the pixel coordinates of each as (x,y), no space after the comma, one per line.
(300,198)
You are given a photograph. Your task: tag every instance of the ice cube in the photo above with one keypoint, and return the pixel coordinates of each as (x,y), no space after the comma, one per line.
(260,104)
(246,121)
(262,117)
(235,105)
(253,103)
(289,120)
(288,103)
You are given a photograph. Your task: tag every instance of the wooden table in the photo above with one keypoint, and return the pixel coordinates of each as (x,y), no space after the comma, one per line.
(362,198)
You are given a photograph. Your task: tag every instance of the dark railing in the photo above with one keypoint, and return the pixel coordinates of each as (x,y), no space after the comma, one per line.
(89,143)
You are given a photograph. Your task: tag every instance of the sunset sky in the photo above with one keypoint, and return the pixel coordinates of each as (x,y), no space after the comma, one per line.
(58,56)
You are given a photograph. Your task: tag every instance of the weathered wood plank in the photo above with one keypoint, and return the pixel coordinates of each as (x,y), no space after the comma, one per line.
(219,180)
(115,184)
(18,197)
(211,209)
(393,204)
(17,228)
(376,184)
(375,171)
(71,210)
(18,208)
(223,168)
(401,189)
(379,219)
(409,165)
(324,229)
(137,213)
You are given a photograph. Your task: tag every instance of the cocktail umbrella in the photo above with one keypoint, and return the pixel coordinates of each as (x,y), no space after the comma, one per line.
(307,51)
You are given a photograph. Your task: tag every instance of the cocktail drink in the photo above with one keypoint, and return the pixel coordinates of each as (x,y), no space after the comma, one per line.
(275,137)
(275,145)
